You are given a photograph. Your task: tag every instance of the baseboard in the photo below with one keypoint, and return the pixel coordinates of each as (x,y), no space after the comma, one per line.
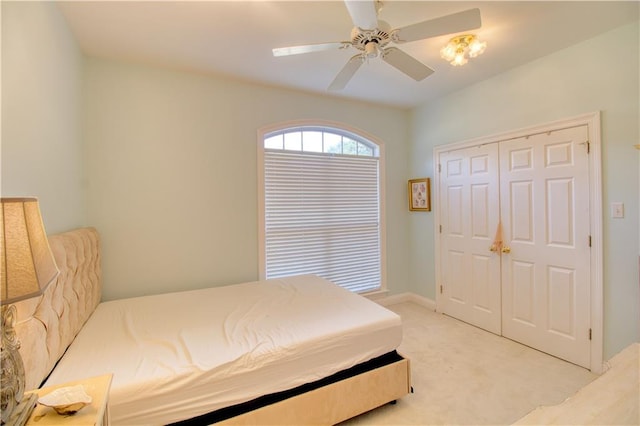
(407,297)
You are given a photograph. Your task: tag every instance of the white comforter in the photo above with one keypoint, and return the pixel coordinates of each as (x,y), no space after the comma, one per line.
(179,355)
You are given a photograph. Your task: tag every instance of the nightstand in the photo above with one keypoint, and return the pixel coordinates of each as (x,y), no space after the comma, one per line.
(96,413)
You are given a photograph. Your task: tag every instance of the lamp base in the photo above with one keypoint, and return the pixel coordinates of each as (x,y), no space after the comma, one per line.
(12,379)
(23,410)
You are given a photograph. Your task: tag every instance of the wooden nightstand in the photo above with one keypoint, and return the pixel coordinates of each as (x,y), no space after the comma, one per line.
(96,413)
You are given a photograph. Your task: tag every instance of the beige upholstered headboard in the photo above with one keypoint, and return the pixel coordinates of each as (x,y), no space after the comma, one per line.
(47,324)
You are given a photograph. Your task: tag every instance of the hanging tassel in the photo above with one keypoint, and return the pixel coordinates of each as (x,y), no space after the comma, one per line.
(497,240)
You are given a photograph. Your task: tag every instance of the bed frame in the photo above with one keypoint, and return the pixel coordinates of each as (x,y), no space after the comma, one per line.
(47,325)
(335,402)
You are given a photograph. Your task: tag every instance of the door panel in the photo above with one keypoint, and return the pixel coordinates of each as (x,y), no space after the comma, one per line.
(523,292)
(470,213)
(481,272)
(521,211)
(545,213)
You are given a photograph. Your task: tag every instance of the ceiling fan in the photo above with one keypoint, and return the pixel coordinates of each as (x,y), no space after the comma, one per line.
(372,37)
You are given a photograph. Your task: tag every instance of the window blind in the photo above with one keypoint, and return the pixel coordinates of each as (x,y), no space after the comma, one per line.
(322,217)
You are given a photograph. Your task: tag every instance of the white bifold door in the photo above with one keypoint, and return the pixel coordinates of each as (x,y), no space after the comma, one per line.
(514,240)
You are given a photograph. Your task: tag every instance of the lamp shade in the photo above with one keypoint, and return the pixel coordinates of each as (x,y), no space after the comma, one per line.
(28,265)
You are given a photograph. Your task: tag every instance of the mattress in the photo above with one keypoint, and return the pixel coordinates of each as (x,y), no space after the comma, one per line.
(179,355)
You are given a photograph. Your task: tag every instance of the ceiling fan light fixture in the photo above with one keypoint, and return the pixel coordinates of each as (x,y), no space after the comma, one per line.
(459,59)
(476,48)
(371,50)
(459,48)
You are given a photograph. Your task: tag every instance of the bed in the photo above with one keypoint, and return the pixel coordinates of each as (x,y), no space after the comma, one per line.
(297,350)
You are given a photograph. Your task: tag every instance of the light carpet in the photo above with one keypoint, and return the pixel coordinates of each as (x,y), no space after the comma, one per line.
(463,375)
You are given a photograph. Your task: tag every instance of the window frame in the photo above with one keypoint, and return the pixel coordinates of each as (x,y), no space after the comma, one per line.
(330,127)
(375,150)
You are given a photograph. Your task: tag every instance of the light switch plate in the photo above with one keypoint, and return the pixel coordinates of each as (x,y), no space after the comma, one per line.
(617,210)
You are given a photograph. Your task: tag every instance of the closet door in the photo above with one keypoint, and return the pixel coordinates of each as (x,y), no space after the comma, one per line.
(545,264)
(469,211)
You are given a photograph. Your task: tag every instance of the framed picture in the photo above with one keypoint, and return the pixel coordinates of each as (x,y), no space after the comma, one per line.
(420,195)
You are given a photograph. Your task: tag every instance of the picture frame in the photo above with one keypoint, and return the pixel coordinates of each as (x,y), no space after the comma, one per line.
(420,195)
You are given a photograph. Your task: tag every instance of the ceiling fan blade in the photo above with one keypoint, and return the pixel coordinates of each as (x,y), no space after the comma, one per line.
(296,50)
(347,72)
(363,13)
(406,63)
(448,24)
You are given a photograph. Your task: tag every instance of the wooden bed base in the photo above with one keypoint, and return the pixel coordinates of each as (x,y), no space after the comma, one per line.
(336,402)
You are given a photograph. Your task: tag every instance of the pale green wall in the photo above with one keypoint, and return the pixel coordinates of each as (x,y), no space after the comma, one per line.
(162,162)
(172,173)
(41,146)
(600,74)
(166,166)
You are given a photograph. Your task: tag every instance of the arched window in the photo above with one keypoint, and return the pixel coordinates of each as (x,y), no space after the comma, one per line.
(320,206)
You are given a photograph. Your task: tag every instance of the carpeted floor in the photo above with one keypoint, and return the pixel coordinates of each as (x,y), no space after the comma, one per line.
(463,375)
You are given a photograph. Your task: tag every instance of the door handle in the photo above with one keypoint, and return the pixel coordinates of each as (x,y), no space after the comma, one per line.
(493,248)
(506,249)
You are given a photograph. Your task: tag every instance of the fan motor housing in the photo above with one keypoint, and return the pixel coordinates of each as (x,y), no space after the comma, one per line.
(380,35)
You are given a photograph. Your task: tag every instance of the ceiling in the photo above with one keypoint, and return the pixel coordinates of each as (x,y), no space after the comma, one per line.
(235,38)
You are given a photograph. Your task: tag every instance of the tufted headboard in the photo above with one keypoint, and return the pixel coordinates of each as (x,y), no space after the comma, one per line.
(46,325)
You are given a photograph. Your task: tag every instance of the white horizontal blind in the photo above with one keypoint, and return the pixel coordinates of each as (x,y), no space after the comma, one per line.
(322,216)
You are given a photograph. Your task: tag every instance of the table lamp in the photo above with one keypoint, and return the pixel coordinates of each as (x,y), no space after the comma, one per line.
(27,267)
